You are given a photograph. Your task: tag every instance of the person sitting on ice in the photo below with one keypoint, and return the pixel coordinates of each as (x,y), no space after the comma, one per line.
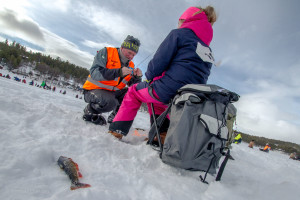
(251,144)
(177,62)
(294,156)
(266,148)
(238,138)
(43,84)
(17,79)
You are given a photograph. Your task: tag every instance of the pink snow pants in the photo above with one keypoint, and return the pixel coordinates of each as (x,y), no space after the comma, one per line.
(131,104)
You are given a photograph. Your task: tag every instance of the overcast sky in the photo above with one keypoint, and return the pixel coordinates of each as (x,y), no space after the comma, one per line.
(257,44)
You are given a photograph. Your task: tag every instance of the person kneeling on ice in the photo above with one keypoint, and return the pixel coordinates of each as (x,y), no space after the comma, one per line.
(111,72)
(184,57)
(266,148)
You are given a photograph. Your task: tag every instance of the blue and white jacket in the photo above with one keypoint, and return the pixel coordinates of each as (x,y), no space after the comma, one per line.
(182,58)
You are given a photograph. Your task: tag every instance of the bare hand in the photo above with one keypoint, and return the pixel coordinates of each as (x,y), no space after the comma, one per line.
(126,71)
(137,72)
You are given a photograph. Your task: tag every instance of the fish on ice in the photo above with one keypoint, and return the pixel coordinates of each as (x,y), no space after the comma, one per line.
(72,170)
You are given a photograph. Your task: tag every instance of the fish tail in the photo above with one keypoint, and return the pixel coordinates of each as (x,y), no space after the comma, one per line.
(75,186)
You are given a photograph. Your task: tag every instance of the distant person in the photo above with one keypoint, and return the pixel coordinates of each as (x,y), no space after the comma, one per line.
(111,72)
(76,96)
(54,88)
(184,57)
(64,92)
(238,138)
(43,84)
(17,79)
(31,82)
(251,144)
(266,148)
(294,156)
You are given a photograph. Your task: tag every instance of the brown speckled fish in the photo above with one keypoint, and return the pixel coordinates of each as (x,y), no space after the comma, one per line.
(72,170)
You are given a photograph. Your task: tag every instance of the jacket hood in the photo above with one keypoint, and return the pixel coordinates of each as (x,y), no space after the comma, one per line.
(200,26)
(189,13)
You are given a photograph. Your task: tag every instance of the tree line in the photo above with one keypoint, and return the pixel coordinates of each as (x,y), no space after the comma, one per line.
(15,55)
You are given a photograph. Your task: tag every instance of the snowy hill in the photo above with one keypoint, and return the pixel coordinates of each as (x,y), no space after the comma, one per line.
(37,126)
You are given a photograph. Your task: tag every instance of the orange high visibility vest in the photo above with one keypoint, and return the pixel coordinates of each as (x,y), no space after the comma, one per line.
(267,147)
(113,62)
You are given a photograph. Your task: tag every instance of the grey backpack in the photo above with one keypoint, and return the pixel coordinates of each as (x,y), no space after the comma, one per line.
(198,131)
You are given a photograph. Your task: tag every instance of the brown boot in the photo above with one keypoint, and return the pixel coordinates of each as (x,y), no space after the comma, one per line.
(162,137)
(117,135)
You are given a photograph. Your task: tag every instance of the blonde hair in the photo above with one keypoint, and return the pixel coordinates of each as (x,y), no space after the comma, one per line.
(210,13)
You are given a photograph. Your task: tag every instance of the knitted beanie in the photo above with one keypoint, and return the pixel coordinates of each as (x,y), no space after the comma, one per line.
(131,43)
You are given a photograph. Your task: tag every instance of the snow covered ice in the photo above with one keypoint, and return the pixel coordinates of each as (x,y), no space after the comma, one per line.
(37,126)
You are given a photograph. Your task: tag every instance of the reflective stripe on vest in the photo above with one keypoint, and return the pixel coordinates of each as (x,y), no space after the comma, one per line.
(99,84)
(109,87)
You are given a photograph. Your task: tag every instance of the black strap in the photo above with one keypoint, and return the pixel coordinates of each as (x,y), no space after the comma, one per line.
(211,161)
(156,130)
(157,123)
(222,167)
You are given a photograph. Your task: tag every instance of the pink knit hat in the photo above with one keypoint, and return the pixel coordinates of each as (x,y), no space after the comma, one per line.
(189,13)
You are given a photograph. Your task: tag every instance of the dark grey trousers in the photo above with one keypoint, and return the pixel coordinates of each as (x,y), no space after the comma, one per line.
(101,101)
